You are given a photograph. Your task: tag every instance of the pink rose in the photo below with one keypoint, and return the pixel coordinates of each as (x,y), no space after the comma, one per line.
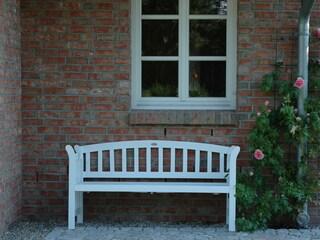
(318,33)
(266,103)
(298,119)
(299,83)
(258,154)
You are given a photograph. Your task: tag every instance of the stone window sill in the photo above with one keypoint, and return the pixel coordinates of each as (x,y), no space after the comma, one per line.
(184,117)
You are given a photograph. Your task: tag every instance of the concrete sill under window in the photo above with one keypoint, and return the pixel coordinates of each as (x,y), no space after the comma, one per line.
(183,117)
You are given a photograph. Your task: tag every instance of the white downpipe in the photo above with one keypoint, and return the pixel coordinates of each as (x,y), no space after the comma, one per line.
(303,59)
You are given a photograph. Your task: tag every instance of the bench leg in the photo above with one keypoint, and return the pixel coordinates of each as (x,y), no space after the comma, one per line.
(72,210)
(227,209)
(232,211)
(79,207)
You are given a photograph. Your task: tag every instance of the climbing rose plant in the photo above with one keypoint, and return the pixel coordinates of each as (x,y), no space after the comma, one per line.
(271,190)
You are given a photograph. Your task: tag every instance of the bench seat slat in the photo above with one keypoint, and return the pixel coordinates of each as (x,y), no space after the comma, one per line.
(159,187)
(169,175)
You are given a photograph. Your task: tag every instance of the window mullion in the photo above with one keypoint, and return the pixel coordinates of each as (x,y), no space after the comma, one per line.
(183,49)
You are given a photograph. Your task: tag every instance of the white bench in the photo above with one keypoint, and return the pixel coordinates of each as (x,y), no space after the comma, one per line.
(151,166)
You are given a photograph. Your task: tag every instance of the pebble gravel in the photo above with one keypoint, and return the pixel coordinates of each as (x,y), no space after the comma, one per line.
(57,230)
(31,230)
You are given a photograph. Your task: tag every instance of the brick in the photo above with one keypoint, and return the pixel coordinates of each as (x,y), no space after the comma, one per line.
(71,37)
(261,6)
(70,5)
(44,21)
(46,5)
(107,6)
(78,29)
(55,29)
(78,45)
(265,14)
(95,130)
(53,13)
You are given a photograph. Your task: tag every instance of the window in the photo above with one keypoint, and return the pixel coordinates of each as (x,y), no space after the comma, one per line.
(184,54)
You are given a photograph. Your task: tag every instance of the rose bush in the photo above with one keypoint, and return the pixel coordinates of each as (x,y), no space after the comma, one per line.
(272,189)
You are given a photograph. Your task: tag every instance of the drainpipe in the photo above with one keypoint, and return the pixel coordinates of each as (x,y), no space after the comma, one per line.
(303,59)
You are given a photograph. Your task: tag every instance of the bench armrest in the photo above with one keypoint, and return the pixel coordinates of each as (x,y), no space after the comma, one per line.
(233,164)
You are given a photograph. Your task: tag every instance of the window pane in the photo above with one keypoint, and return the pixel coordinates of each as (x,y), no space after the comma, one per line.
(160,7)
(160,38)
(159,79)
(208,7)
(207,38)
(207,79)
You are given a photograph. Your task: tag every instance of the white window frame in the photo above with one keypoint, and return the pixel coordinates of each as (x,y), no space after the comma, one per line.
(183,101)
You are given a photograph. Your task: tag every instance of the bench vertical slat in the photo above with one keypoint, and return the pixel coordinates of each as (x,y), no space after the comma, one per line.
(228,166)
(185,160)
(172,159)
(160,159)
(100,161)
(148,160)
(197,161)
(88,167)
(221,161)
(136,159)
(124,159)
(209,161)
(112,167)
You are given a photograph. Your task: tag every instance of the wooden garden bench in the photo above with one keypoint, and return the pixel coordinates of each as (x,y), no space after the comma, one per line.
(151,166)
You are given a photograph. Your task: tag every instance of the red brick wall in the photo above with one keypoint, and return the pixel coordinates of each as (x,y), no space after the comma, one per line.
(10,114)
(76,90)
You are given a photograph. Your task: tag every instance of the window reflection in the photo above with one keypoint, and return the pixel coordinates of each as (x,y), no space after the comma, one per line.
(217,7)
(160,38)
(207,79)
(160,7)
(159,79)
(207,38)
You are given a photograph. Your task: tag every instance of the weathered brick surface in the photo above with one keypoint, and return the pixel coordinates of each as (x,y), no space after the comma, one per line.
(76,90)
(10,114)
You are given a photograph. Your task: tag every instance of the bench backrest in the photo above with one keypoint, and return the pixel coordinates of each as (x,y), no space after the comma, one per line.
(153,159)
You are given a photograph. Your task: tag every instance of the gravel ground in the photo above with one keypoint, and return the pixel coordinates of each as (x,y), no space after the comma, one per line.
(29,230)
